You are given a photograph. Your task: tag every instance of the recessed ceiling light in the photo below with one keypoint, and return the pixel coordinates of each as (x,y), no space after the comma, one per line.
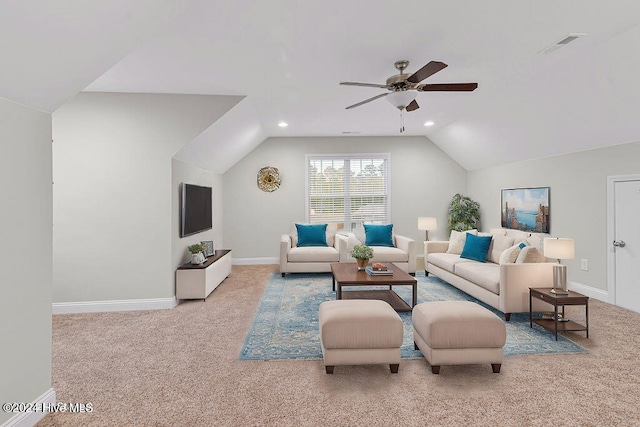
(429,123)
(283,124)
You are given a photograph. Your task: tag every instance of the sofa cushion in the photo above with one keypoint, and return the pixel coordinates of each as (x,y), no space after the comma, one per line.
(498,245)
(457,239)
(476,248)
(485,275)
(387,254)
(312,234)
(313,254)
(446,261)
(378,235)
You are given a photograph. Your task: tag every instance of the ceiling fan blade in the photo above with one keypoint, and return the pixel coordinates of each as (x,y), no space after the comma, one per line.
(413,105)
(428,70)
(448,87)
(367,100)
(363,84)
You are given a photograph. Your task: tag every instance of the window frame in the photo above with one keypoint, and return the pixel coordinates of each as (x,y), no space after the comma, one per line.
(349,223)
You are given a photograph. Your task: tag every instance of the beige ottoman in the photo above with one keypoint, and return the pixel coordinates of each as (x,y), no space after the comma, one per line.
(359,332)
(458,333)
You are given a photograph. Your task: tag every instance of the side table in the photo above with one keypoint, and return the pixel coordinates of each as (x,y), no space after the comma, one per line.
(572,298)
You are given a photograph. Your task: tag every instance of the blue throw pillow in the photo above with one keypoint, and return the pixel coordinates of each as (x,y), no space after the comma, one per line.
(312,234)
(378,235)
(476,247)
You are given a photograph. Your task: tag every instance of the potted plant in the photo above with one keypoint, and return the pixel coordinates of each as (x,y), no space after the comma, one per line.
(464,213)
(362,254)
(197,257)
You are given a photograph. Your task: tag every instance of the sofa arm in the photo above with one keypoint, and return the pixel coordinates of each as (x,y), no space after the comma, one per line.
(409,246)
(341,243)
(435,247)
(285,246)
(515,281)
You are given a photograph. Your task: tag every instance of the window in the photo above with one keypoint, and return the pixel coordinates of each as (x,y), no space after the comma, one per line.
(350,189)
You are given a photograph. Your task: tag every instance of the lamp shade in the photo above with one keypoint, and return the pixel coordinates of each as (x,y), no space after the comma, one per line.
(427,223)
(558,248)
(402,98)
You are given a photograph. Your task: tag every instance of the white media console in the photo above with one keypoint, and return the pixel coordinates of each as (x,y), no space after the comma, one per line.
(198,281)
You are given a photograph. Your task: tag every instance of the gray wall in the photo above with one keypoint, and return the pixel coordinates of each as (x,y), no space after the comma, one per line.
(185,172)
(423,180)
(113,204)
(578,204)
(25,254)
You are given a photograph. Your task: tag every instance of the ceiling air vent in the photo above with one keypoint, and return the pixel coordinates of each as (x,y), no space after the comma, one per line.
(562,42)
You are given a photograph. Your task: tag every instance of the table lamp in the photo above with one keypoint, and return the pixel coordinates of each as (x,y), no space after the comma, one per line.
(559,248)
(427,223)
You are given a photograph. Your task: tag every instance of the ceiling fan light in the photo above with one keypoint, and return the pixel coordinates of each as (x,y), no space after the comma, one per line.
(402,98)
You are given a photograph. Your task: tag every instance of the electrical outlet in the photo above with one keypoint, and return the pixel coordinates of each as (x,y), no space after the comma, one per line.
(584,264)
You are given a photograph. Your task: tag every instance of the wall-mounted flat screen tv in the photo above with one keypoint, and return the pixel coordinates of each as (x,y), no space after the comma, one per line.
(196,213)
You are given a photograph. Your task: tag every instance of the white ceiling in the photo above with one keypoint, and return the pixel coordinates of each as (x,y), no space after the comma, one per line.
(286,57)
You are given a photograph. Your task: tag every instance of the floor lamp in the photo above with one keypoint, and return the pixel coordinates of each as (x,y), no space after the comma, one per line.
(559,248)
(427,223)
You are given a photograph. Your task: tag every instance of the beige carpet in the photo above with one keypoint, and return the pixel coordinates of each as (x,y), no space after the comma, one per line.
(180,367)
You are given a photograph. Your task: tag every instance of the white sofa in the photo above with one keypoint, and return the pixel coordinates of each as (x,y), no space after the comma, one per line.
(502,286)
(403,254)
(312,259)
(318,259)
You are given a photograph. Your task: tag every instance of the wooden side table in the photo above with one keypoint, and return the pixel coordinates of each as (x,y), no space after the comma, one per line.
(573,298)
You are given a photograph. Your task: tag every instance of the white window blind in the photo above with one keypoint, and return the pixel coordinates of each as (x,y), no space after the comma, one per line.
(349,189)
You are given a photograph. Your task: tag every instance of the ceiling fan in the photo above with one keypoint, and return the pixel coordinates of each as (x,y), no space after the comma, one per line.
(403,87)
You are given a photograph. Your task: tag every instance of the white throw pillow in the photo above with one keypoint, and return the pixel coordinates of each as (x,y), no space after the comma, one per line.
(498,245)
(537,240)
(457,239)
(510,255)
(530,254)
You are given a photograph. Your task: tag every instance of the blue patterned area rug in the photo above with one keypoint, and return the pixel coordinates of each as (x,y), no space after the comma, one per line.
(286,323)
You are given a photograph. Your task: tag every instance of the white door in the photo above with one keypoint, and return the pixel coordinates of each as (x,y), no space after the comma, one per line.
(626,244)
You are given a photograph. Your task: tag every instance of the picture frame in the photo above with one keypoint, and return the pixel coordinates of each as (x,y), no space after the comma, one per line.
(210,249)
(526,209)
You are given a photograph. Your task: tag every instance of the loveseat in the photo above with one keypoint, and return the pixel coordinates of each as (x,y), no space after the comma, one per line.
(402,254)
(514,263)
(400,250)
(312,259)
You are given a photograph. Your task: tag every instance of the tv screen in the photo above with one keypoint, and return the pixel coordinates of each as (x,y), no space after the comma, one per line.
(196,213)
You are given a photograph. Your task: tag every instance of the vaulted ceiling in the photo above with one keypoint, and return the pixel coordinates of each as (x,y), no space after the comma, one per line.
(287,57)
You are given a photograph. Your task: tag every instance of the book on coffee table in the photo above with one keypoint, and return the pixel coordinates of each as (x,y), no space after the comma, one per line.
(373,272)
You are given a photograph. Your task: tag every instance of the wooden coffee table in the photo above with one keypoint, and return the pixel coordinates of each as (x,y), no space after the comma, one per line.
(347,274)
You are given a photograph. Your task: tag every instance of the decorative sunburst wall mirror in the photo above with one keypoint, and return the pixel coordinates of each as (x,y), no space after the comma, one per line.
(269,179)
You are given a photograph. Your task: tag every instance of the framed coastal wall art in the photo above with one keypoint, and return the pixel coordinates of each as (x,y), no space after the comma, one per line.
(526,209)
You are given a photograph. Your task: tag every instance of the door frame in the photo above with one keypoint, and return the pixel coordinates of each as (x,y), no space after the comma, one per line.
(611,257)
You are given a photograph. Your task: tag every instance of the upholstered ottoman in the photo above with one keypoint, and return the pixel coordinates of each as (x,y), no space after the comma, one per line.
(359,332)
(458,333)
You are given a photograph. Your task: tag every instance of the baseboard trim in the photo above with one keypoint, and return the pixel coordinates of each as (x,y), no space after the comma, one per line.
(29,419)
(113,305)
(256,261)
(589,291)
